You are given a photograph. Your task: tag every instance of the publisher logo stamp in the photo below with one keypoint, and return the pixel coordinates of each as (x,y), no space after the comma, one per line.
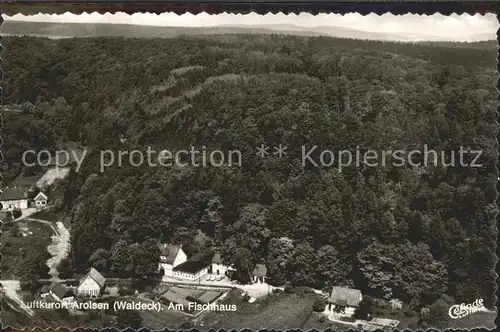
(461,310)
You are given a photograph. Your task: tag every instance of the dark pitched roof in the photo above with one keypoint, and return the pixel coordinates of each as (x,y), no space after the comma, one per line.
(170,251)
(345,296)
(60,290)
(190,266)
(11,194)
(96,276)
(260,270)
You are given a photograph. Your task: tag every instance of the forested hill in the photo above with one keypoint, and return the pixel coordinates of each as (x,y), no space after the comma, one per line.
(409,232)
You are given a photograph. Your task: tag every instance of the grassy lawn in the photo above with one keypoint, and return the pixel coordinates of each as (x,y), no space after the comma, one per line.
(277,311)
(13,246)
(48,215)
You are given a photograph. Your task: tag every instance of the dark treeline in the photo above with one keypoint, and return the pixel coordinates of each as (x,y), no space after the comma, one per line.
(408,232)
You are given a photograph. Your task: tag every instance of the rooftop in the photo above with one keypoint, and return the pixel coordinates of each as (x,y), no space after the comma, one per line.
(60,290)
(190,267)
(260,270)
(345,296)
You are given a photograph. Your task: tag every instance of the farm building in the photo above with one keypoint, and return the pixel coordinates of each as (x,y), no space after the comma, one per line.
(92,284)
(344,300)
(172,297)
(170,257)
(190,270)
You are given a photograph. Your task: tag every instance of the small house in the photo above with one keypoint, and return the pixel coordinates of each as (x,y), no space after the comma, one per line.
(40,200)
(14,198)
(60,293)
(190,270)
(259,274)
(170,257)
(92,284)
(218,267)
(344,300)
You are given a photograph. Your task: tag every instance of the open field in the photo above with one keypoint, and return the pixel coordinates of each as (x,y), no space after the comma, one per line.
(13,245)
(277,311)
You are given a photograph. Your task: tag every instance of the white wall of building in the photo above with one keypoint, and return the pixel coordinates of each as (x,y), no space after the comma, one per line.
(10,205)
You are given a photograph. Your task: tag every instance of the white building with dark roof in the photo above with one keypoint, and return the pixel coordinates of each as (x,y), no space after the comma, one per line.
(92,284)
(170,257)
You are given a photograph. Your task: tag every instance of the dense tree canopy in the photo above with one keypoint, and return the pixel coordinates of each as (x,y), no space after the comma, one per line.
(408,232)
